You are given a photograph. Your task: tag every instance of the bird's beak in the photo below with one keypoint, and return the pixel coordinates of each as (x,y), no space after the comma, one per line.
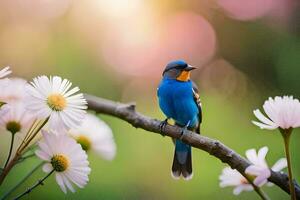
(190,68)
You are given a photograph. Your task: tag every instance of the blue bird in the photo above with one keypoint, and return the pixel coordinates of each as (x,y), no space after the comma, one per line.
(179,100)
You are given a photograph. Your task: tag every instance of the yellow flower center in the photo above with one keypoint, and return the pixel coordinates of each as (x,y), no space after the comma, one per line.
(244,181)
(56,102)
(84,141)
(13,127)
(59,162)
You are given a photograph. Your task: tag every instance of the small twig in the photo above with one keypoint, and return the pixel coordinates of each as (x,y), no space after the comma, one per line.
(40,182)
(21,181)
(127,113)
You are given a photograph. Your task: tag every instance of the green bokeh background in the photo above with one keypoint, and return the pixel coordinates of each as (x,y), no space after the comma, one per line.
(269,59)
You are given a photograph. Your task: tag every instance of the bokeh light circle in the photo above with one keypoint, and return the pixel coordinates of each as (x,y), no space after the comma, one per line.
(34,10)
(146,47)
(247,9)
(189,36)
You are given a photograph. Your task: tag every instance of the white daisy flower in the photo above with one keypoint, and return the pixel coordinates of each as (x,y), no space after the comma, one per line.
(4,72)
(14,91)
(231,177)
(14,118)
(259,170)
(95,135)
(282,112)
(259,167)
(51,97)
(65,157)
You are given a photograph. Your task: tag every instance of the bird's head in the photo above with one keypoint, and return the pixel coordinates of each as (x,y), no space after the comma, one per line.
(178,70)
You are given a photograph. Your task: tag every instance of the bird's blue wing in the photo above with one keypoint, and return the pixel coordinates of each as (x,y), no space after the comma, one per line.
(199,105)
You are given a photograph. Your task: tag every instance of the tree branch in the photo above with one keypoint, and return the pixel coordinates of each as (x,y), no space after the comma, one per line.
(215,148)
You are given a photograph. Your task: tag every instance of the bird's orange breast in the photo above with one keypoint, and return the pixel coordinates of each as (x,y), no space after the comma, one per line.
(184,76)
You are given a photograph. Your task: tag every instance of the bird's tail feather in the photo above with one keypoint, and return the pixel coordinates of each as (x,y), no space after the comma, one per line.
(182,161)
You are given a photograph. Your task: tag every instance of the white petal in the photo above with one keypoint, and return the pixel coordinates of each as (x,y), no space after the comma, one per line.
(237,190)
(251,156)
(260,181)
(47,168)
(264,126)
(262,178)
(42,155)
(4,72)
(253,170)
(263,152)
(60,182)
(67,183)
(279,165)
(262,118)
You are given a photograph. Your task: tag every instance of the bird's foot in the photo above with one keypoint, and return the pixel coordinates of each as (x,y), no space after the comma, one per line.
(162,126)
(183,130)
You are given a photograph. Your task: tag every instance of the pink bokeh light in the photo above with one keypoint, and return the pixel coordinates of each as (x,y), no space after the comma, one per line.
(144,47)
(189,36)
(34,10)
(247,9)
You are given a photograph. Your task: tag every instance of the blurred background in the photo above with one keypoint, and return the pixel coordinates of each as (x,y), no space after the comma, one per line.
(245,50)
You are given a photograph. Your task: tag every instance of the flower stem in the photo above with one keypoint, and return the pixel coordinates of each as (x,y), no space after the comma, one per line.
(261,193)
(20,150)
(257,189)
(10,149)
(39,182)
(286,137)
(22,181)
